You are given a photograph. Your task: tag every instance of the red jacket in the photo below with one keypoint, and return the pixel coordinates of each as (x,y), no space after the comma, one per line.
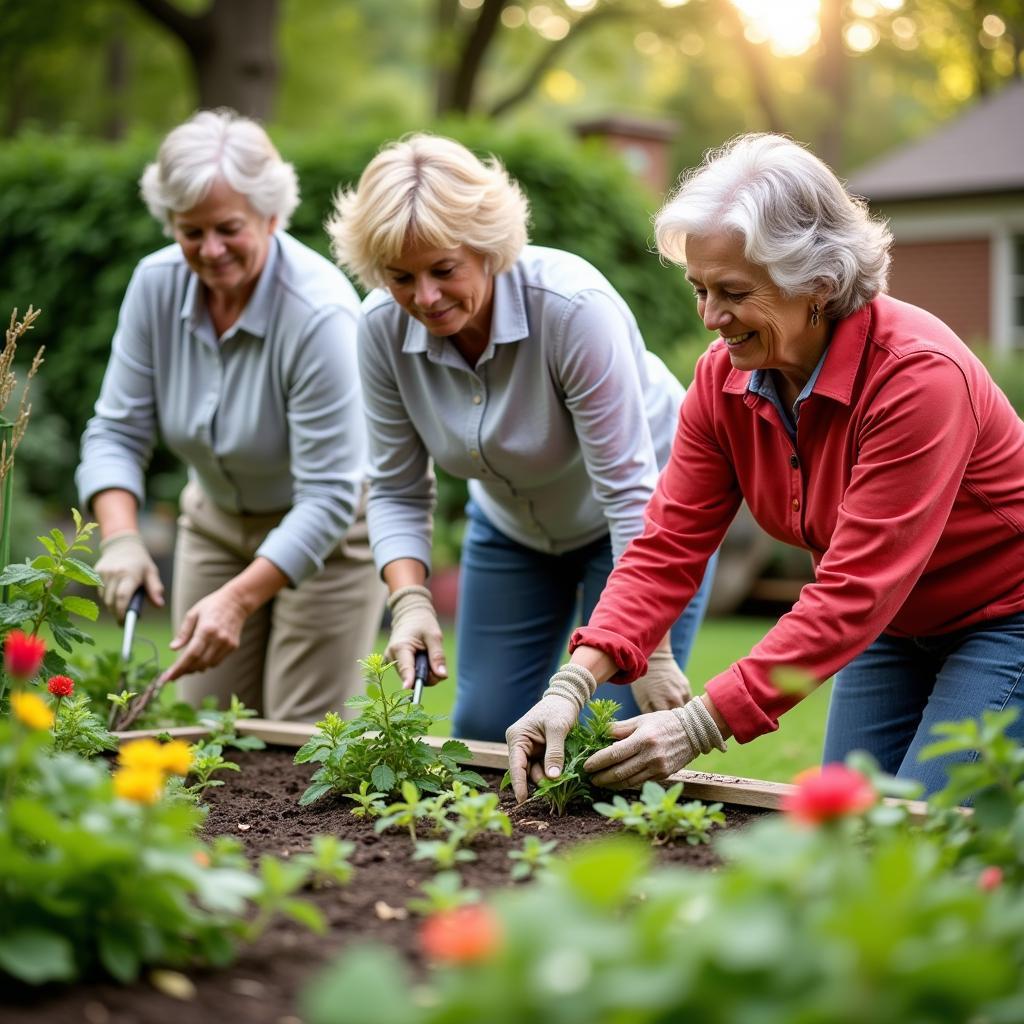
(906,485)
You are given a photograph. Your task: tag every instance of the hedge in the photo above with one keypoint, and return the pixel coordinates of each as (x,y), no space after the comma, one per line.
(72,228)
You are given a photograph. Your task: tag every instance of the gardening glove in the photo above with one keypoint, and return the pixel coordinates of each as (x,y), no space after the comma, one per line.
(125,565)
(654,746)
(664,686)
(414,627)
(542,730)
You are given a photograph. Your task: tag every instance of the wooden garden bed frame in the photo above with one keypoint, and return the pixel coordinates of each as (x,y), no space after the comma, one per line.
(707,786)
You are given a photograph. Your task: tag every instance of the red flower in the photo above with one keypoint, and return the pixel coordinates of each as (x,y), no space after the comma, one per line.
(23,654)
(823,794)
(990,878)
(61,686)
(462,936)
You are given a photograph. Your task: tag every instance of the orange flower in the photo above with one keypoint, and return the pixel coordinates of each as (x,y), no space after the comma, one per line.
(462,936)
(23,654)
(31,710)
(824,794)
(202,858)
(139,785)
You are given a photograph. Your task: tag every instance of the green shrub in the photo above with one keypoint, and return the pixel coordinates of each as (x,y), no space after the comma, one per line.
(72,228)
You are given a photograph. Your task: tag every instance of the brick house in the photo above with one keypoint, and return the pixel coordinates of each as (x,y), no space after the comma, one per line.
(955,203)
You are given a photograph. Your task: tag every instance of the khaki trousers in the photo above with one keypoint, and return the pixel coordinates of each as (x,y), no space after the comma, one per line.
(297,656)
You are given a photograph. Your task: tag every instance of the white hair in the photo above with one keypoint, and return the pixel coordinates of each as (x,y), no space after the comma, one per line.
(219,144)
(794,215)
(432,190)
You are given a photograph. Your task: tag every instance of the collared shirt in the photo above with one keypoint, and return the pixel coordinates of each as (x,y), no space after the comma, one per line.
(906,484)
(268,417)
(560,427)
(762,382)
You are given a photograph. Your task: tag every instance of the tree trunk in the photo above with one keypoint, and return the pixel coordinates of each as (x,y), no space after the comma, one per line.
(833,80)
(116,123)
(471,52)
(233,49)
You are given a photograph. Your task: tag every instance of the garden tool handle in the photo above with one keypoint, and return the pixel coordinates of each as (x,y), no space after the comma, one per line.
(421,672)
(131,617)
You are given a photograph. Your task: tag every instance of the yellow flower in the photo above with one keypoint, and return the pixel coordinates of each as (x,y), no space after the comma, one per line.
(32,710)
(176,757)
(145,755)
(140,785)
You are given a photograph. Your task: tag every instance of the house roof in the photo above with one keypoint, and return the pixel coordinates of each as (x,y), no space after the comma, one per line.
(981,151)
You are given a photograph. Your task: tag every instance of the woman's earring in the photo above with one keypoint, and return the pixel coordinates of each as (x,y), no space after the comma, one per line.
(815,315)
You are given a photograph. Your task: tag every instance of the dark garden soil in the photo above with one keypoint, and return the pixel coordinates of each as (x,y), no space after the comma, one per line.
(260,806)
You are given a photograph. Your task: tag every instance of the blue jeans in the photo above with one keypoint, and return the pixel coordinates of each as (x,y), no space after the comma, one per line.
(888,699)
(516,610)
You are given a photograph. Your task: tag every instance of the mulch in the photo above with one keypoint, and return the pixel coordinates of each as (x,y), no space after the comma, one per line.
(260,807)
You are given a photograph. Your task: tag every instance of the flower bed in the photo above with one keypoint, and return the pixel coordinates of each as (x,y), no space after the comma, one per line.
(260,806)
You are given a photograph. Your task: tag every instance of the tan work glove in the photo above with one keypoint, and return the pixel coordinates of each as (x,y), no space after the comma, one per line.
(664,686)
(654,746)
(125,565)
(414,627)
(542,730)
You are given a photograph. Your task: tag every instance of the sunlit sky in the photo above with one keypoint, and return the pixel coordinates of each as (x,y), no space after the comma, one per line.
(790,27)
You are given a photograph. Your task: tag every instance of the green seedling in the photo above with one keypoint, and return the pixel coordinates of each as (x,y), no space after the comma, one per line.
(445,854)
(534,855)
(370,803)
(444,892)
(659,817)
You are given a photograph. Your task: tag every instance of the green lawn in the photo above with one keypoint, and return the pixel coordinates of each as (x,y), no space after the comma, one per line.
(795,746)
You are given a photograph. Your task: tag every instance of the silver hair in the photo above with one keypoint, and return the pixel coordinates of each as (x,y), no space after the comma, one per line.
(794,215)
(219,144)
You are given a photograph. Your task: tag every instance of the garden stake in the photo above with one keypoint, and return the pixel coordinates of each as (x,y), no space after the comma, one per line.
(420,673)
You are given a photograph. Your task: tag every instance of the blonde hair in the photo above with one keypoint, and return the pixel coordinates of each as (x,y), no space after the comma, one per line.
(219,144)
(433,191)
(796,220)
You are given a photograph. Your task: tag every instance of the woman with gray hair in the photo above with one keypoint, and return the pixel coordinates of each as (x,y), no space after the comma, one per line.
(855,426)
(237,345)
(522,370)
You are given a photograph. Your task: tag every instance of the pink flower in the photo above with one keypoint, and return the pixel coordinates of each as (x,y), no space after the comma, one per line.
(823,794)
(461,936)
(990,878)
(23,654)
(61,686)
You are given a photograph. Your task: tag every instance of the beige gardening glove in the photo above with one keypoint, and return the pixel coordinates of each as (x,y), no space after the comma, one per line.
(414,627)
(125,565)
(540,733)
(654,746)
(664,686)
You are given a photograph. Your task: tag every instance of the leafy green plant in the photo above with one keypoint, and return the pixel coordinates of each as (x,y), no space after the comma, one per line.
(403,813)
(76,728)
(591,734)
(659,817)
(370,802)
(36,592)
(442,893)
(444,854)
(382,746)
(108,875)
(533,856)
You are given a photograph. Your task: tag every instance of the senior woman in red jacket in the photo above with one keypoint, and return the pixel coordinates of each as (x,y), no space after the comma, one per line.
(855,426)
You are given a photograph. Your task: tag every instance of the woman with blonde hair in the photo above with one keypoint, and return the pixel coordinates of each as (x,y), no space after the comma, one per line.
(522,370)
(237,344)
(855,426)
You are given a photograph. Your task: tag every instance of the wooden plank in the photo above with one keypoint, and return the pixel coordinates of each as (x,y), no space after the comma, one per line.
(192,733)
(284,734)
(732,789)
